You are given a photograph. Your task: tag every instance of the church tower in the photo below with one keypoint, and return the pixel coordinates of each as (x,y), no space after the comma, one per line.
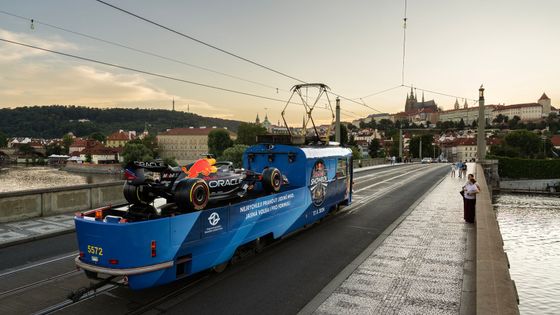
(410,101)
(258,121)
(456,106)
(465,106)
(545,102)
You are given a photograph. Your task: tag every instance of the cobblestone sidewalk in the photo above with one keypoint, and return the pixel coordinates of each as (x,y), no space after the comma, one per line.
(418,269)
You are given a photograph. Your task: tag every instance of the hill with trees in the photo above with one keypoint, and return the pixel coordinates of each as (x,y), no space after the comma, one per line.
(55,121)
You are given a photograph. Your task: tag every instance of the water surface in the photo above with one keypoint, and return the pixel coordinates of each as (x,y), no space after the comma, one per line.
(15,178)
(530,226)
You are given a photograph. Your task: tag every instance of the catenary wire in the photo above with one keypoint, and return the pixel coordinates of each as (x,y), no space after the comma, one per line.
(404,42)
(138,50)
(219,49)
(200,41)
(145,72)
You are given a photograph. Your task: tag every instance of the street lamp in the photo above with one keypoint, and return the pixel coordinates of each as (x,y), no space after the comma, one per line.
(481,133)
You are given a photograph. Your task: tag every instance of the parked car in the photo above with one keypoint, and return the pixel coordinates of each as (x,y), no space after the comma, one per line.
(426,160)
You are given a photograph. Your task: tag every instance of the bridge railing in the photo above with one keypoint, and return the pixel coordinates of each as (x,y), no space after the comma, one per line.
(26,204)
(495,291)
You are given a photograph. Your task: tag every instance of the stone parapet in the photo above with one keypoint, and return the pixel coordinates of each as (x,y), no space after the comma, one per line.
(19,205)
(495,291)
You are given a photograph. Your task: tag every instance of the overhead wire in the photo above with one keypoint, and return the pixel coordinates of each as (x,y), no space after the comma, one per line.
(141,71)
(199,41)
(35,21)
(144,71)
(440,93)
(219,49)
(404,42)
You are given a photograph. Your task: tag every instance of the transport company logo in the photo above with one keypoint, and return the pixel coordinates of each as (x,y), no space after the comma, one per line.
(319,182)
(213,219)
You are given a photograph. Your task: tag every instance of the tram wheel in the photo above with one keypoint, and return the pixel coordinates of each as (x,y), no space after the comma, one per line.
(221,267)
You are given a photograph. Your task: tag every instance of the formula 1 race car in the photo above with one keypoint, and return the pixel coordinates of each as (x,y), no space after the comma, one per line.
(191,187)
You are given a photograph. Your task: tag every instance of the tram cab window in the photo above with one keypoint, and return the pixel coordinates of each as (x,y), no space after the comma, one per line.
(341,168)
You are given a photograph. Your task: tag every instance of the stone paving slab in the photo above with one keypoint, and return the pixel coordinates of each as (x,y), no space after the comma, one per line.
(418,269)
(15,232)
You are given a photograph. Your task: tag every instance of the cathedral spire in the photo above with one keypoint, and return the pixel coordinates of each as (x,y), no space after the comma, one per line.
(466,105)
(456,104)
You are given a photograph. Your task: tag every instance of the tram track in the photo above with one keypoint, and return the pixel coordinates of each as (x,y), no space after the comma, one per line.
(364,195)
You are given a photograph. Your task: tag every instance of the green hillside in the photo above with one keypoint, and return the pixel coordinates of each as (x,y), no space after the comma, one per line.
(55,121)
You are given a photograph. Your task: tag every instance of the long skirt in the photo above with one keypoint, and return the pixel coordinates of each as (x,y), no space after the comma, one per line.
(469,209)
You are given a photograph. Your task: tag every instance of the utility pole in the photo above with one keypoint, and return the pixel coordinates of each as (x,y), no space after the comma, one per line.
(420,153)
(481,136)
(337,126)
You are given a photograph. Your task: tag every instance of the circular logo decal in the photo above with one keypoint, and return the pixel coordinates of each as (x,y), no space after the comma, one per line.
(213,219)
(319,182)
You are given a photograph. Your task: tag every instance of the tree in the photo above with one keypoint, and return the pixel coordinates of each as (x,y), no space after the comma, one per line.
(88,157)
(474,124)
(356,153)
(461,124)
(150,141)
(373,148)
(67,141)
(427,146)
(343,135)
(528,143)
(54,148)
(247,133)
(235,154)
(351,141)
(136,152)
(218,141)
(513,123)
(26,149)
(98,136)
(3,140)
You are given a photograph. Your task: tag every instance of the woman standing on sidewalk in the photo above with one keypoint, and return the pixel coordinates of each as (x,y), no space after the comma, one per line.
(470,189)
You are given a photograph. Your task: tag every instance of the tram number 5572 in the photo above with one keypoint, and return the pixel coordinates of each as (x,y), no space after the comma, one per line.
(94,250)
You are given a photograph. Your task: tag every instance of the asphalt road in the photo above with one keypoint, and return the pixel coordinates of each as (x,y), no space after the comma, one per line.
(280,280)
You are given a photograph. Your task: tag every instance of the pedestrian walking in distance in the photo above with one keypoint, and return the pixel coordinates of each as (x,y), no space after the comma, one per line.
(453,169)
(470,190)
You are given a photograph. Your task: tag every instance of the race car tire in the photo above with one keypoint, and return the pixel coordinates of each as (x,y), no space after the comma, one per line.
(272,180)
(136,194)
(192,194)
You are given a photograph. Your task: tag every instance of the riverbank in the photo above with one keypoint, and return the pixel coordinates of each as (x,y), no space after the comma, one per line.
(93,168)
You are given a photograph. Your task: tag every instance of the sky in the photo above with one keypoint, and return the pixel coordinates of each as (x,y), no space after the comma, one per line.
(354,47)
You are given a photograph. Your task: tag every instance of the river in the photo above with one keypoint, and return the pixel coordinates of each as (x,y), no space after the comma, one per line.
(530,226)
(15,178)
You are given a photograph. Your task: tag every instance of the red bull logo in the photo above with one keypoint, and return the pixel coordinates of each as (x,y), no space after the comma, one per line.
(202,166)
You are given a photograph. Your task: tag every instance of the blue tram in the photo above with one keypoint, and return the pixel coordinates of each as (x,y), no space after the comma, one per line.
(169,246)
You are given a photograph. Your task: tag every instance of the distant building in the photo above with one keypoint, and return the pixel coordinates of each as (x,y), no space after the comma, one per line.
(525,111)
(369,118)
(465,148)
(80,144)
(119,138)
(100,154)
(186,145)
(412,103)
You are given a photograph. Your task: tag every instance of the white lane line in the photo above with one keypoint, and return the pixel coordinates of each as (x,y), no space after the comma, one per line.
(38,264)
(384,181)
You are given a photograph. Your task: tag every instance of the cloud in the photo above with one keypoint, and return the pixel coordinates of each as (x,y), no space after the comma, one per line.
(11,52)
(34,77)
